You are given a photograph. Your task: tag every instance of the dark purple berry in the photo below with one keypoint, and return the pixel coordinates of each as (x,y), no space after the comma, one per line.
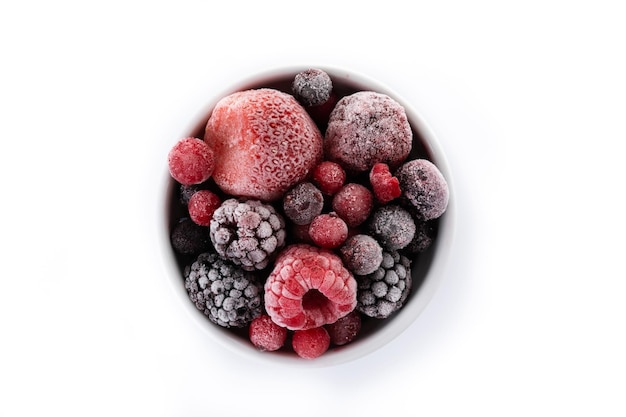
(345,329)
(303,203)
(312,87)
(361,254)
(392,226)
(188,238)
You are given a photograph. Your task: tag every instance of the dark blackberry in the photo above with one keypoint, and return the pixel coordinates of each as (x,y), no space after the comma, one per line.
(188,238)
(384,291)
(312,87)
(225,293)
(392,226)
(303,203)
(248,233)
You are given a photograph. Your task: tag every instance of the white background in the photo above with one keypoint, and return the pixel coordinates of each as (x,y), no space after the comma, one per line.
(527,98)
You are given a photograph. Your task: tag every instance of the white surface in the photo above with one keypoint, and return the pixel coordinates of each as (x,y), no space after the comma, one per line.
(527,100)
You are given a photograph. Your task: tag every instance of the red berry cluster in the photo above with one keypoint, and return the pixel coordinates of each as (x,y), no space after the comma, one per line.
(338,168)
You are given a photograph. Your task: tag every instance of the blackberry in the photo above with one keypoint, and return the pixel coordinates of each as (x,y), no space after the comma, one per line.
(384,291)
(225,293)
(392,226)
(247,233)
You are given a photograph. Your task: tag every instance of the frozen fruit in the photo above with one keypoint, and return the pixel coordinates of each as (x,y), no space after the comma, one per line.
(191,161)
(188,238)
(329,177)
(202,205)
(328,230)
(386,187)
(264,142)
(248,232)
(392,226)
(302,203)
(365,128)
(424,236)
(424,189)
(226,294)
(312,87)
(345,329)
(266,335)
(308,287)
(353,203)
(361,254)
(385,290)
(310,343)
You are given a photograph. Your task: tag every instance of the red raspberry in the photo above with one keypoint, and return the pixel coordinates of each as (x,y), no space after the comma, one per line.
(311,343)
(353,203)
(345,329)
(266,335)
(201,206)
(191,161)
(329,177)
(386,187)
(264,141)
(328,230)
(308,287)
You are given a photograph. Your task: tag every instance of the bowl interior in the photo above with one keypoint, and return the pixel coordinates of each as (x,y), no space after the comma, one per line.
(427,267)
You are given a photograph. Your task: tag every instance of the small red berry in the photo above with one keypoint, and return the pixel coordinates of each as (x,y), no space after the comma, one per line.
(311,343)
(202,205)
(266,335)
(353,203)
(329,177)
(191,161)
(386,187)
(328,230)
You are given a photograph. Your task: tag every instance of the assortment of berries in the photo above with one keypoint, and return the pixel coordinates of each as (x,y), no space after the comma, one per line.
(298,213)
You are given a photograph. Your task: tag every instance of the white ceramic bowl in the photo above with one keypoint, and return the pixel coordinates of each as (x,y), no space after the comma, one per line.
(428,269)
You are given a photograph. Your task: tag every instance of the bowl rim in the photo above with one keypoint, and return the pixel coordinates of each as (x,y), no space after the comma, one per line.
(403,318)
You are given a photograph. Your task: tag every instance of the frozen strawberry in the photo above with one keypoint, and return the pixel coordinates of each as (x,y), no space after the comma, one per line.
(308,287)
(264,143)
(386,187)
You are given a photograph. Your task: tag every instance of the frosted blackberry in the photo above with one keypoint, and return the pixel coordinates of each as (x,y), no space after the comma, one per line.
(312,87)
(384,291)
(392,226)
(248,233)
(225,293)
